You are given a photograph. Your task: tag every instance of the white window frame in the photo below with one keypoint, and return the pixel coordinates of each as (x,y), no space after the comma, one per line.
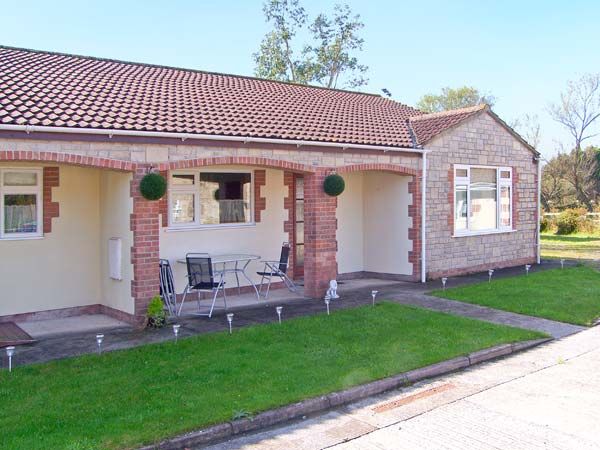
(195,189)
(37,190)
(500,182)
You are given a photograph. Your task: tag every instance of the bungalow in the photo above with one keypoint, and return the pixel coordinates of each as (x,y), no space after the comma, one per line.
(426,195)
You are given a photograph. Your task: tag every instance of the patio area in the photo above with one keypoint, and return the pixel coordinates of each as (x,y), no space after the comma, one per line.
(76,335)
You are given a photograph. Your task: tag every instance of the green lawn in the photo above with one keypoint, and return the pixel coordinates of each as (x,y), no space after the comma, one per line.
(125,398)
(569,295)
(575,246)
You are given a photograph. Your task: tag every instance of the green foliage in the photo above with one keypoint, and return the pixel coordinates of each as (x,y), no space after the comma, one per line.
(568,221)
(153,186)
(450,98)
(334,185)
(327,58)
(156,313)
(544,224)
(567,295)
(135,397)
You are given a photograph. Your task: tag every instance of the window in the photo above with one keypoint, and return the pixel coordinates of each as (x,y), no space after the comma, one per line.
(482,199)
(20,203)
(210,198)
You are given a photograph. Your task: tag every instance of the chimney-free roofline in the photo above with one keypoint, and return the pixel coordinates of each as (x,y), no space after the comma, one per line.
(205,137)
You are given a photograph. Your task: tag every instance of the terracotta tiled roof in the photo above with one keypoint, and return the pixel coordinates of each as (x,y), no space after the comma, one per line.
(426,126)
(58,90)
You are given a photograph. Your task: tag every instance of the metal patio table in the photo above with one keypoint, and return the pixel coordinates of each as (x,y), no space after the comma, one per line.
(235,263)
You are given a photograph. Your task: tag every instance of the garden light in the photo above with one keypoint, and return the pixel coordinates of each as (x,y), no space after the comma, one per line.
(176,331)
(99,339)
(278,309)
(229,321)
(373,295)
(527,267)
(10,351)
(444,281)
(327,300)
(562,263)
(490,273)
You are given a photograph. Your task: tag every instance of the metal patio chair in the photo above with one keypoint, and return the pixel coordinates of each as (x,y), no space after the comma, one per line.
(277,269)
(167,286)
(202,279)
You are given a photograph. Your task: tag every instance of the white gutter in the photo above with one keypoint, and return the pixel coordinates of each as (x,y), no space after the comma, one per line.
(185,136)
(539,209)
(424,220)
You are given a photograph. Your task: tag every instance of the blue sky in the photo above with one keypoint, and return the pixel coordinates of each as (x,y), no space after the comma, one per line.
(522,52)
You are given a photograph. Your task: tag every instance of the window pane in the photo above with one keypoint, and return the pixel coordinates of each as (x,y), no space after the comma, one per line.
(300,233)
(299,210)
(20,179)
(182,208)
(299,254)
(183,179)
(461,173)
(483,199)
(299,188)
(224,197)
(20,213)
(460,208)
(505,206)
(505,174)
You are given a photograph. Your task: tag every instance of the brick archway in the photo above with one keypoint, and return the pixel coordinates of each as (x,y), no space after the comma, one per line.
(414,209)
(67,158)
(238,160)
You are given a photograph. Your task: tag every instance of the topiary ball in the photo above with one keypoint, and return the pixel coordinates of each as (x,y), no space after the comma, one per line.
(153,186)
(334,185)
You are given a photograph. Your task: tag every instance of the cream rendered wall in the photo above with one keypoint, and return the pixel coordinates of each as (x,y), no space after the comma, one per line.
(350,231)
(61,269)
(262,239)
(386,223)
(373,224)
(115,209)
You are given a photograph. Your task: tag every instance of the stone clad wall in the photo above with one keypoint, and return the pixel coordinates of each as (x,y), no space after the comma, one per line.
(479,141)
(161,153)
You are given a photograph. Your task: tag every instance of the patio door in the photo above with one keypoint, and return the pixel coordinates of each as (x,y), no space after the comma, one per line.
(299,227)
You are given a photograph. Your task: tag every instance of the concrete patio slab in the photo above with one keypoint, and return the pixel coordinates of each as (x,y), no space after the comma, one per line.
(40,329)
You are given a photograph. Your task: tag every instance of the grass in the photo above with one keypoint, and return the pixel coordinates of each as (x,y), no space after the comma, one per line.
(129,397)
(574,246)
(569,295)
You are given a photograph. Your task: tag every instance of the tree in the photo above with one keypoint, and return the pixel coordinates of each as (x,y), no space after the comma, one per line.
(450,98)
(327,59)
(528,126)
(578,111)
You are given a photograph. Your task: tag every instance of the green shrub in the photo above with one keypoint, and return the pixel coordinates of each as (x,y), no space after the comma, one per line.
(334,185)
(153,186)
(544,224)
(568,222)
(156,317)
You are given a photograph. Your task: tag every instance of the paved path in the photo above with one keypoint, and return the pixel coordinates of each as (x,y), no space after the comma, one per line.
(546,398)
(551,327)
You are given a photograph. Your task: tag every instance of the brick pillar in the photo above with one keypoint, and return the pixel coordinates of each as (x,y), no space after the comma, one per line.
(144,252)
(320,245)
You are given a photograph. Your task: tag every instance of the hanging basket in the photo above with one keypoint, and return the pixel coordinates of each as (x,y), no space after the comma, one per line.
(153,186)
(334,185)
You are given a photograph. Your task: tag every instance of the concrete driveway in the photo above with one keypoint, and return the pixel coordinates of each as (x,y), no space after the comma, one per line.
(546,398)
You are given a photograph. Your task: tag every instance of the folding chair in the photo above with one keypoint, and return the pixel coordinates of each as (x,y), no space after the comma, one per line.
(277,269)
(167,287)
(201,279)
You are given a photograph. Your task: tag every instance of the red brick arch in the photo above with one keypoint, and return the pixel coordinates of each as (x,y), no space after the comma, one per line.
(67,158)
(238,160)
(414,210)
(380,167)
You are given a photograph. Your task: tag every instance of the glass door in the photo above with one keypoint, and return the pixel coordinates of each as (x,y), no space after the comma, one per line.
(299,227)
